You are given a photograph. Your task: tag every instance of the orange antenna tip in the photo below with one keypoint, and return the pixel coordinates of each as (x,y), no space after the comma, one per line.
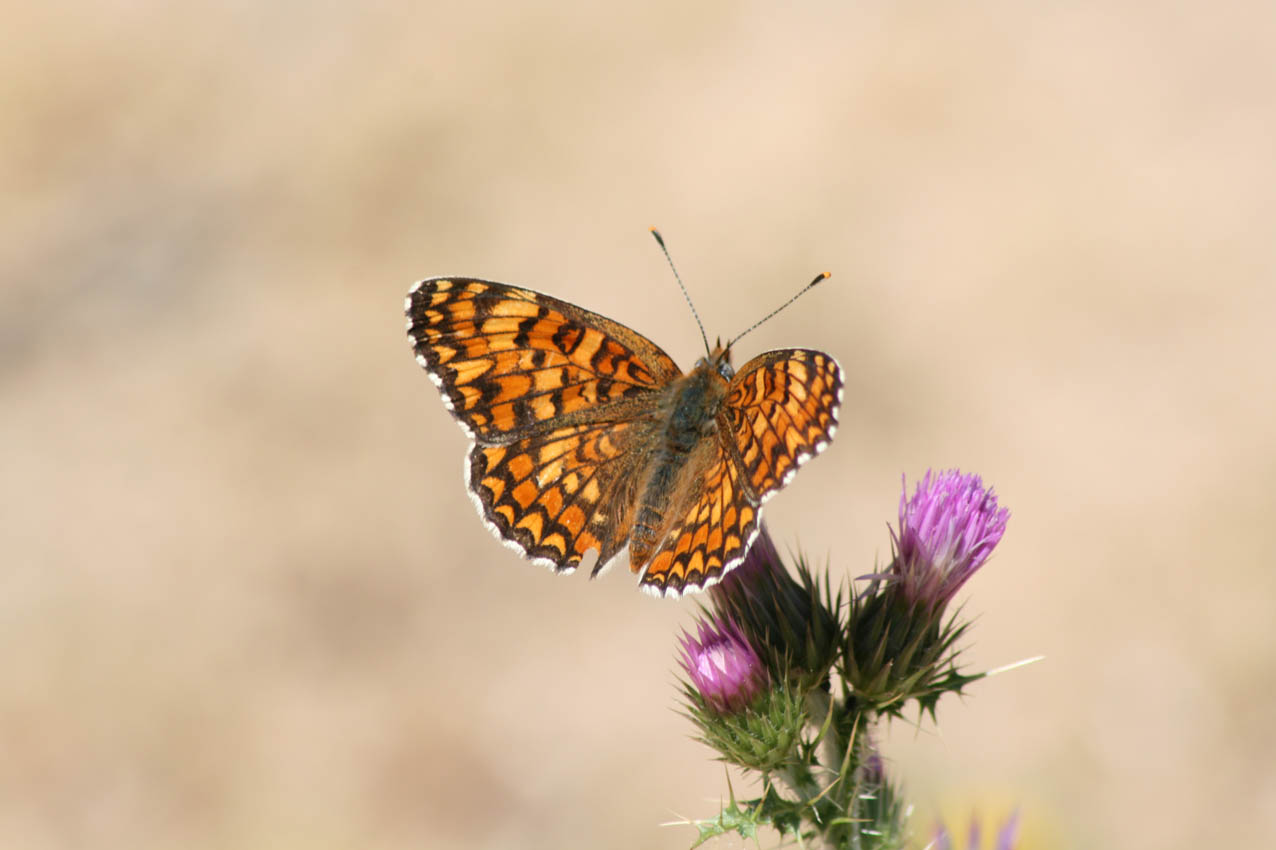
(822,276)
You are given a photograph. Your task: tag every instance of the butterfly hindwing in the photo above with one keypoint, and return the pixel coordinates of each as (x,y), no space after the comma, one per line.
(713,534)
(558,494)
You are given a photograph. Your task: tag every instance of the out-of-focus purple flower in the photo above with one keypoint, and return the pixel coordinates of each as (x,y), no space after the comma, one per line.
(946,532)
(873,768)
(1007,836)
(722,667)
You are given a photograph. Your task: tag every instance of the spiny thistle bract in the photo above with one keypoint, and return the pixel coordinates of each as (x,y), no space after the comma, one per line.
(794,624)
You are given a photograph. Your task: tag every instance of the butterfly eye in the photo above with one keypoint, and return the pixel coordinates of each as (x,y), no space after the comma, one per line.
(725,370)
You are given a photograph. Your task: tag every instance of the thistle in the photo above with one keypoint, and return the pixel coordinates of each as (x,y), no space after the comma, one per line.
(946,532)
(899,646)
(730,698)
(781,682)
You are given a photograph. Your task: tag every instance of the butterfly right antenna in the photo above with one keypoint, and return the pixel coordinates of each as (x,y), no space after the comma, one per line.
(820,278)
(661,241)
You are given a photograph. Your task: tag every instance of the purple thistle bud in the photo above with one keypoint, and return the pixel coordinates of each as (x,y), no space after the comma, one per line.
(947,530)
(722,667)
(760,562)
(792,623)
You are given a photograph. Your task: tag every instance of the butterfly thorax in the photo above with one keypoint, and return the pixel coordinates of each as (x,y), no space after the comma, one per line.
(689,414)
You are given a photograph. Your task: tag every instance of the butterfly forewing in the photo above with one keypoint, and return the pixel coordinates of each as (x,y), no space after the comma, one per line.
(782,410)
(508,360)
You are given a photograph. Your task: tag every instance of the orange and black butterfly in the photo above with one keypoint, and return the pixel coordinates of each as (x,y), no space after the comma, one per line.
(587,436)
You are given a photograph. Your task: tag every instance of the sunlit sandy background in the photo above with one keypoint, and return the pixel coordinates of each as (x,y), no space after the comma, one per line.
(244,599)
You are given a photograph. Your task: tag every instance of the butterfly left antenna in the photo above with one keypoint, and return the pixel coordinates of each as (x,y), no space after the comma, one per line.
(661,241)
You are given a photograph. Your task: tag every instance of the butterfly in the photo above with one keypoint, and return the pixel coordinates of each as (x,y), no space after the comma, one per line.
(587,436)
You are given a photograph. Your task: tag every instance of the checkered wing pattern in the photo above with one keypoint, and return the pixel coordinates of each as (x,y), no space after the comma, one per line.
(554,397)
(559,494)
(510,361)
(781,410)
(713,535)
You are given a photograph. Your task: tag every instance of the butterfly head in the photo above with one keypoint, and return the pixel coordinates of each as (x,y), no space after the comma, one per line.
(719,360)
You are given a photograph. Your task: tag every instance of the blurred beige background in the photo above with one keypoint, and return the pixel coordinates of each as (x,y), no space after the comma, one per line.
(245,601)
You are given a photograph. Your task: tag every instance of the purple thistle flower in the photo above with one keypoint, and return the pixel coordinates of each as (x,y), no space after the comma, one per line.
(722,666)
(1007,836)
(947,530)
